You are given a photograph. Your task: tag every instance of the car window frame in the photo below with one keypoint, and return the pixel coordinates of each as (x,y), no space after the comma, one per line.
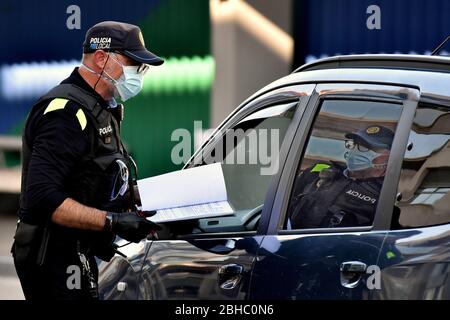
(281,95)
(429,102)
(407,96)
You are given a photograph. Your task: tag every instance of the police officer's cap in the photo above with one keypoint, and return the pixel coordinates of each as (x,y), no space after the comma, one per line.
(373,137)
(122,37)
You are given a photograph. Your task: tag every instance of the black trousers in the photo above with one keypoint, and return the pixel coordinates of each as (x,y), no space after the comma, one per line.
(59,278)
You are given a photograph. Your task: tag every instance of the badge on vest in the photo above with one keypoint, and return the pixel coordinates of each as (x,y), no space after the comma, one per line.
(105,133)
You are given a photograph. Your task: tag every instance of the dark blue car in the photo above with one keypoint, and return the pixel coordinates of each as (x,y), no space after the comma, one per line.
(290,237)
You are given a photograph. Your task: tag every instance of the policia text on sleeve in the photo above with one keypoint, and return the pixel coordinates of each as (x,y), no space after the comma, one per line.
(77,190)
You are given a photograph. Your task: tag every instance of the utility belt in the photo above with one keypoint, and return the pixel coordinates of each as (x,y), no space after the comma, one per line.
(30,244)
(33,243)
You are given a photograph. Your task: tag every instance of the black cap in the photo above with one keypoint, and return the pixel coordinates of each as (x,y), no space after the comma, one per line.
(373,137)
(118,36)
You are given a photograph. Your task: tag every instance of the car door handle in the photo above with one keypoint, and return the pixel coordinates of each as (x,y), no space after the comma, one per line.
(230,275)
(215,246)
(351,273)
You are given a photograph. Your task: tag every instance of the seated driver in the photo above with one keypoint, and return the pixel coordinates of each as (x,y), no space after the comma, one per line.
(329,195)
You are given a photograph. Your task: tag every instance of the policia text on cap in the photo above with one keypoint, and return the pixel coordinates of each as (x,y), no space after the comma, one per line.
(77,188)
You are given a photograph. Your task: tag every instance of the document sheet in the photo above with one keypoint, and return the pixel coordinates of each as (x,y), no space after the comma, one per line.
(186,194)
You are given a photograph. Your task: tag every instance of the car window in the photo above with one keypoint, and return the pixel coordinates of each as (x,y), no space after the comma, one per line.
(341,173)
(424,187)
(249,155)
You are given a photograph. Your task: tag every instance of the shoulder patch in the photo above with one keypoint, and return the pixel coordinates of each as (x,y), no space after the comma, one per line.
(320,166)
(56,104)
(81,118)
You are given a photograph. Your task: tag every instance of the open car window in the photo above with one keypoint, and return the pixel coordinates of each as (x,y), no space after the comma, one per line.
(249,154)
(341,173)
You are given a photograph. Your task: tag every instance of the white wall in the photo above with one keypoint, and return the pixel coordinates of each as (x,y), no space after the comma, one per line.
(251,45)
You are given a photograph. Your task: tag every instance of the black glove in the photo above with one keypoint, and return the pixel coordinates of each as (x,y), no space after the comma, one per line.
(132,226)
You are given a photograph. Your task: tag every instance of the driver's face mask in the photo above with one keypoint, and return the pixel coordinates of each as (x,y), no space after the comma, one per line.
(361,158)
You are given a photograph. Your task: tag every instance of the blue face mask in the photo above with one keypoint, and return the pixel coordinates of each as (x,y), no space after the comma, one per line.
(358,160)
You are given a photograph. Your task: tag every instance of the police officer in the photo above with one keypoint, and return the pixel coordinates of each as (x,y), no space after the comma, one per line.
(331,195)
(77,179)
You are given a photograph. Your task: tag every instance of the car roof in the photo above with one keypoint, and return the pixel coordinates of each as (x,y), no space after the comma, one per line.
(429,74)
(390,61)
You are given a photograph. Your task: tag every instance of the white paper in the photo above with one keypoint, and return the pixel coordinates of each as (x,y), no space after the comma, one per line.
(206,210)
(186,194)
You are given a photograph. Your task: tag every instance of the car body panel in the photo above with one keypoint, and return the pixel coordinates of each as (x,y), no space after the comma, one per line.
(181,269)
(125,270)
(415,264)
(296,267)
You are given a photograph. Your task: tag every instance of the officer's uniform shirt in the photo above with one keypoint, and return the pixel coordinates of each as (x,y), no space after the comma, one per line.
(59,135)
(334,201)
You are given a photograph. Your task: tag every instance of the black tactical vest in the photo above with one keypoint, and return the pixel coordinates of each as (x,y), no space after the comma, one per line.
(335,202)
(99,178)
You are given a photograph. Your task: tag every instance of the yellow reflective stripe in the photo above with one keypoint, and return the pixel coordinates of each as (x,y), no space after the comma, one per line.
(56,104)
(81,118)
(320,166)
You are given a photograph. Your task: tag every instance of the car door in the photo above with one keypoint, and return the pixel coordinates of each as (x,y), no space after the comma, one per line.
(212,258)
(332,262)
(119,278)
(415,259)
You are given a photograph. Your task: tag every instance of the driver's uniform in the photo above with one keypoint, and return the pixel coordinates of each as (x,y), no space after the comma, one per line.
(325,197)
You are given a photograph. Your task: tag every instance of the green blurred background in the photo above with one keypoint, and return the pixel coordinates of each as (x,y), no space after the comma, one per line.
(180,31)
(174,95)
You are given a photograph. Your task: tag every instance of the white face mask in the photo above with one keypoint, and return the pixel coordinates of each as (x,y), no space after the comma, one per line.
(128,85)
(130,82)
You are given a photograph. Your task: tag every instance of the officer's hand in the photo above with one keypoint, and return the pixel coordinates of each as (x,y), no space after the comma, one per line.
(132,226)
